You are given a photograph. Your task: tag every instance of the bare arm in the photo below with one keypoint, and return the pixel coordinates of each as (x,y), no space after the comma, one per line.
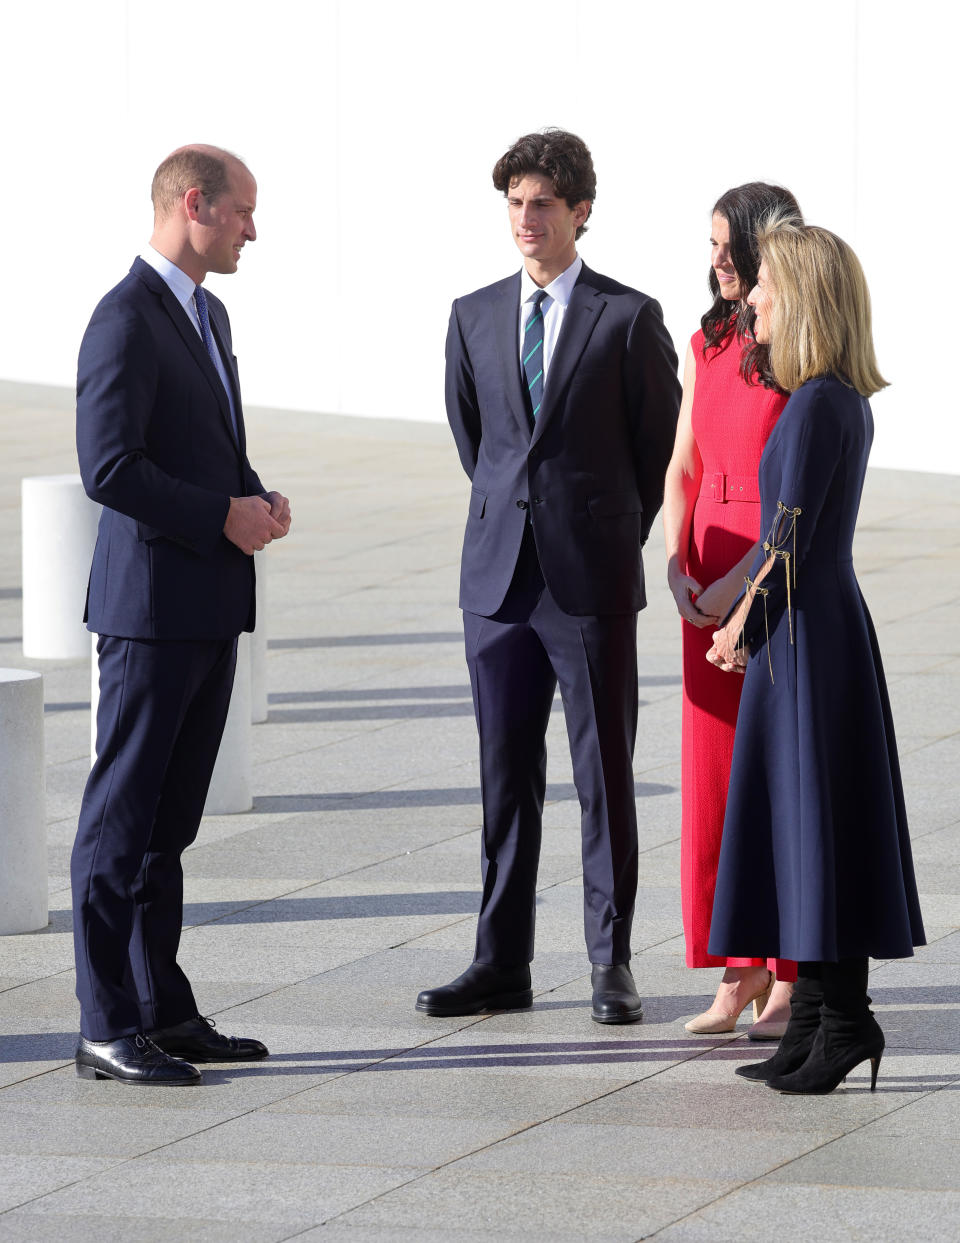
(681,486)
(716,600)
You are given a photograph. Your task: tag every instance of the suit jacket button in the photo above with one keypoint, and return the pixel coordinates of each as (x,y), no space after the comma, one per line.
(521,504)
(537,500)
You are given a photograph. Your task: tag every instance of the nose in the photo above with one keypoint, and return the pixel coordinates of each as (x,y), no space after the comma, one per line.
(722,257)
(752,296)
(527,215)
(251,230)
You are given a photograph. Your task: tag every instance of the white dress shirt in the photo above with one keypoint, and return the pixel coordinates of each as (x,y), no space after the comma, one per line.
(553,308)
(184,290)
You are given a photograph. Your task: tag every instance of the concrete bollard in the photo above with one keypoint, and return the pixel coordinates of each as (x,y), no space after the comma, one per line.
(59,533)
(23,822)
(230,785)
(258,646)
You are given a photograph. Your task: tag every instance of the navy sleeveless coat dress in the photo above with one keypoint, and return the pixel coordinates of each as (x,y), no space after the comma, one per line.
(815,861)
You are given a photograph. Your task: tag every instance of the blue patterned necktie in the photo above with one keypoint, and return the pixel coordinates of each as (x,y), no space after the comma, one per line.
(203,315)
(532,355)
(205,334)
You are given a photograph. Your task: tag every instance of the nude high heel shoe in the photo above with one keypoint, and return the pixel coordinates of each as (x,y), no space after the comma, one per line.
(771,1028)
(715,1022)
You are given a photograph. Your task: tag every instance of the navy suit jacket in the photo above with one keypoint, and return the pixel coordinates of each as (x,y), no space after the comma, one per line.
(157,449)
(590,475)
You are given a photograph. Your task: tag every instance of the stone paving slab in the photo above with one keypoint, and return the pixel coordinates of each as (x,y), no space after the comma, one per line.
(26,1226)
(542,1204)
(313,921)
(808,1213)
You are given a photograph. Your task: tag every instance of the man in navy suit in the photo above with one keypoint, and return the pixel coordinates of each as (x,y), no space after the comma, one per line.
(562,394)
(161,444)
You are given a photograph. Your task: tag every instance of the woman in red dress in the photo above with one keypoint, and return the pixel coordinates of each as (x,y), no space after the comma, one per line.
(711,518)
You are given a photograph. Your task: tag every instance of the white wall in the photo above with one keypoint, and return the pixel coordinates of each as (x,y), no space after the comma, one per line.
(372,128)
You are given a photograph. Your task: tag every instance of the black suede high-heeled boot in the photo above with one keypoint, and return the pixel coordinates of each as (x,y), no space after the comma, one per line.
(848,1034)
(797,1040)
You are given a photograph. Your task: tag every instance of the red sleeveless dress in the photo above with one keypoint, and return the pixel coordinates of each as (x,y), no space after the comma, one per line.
(731,423)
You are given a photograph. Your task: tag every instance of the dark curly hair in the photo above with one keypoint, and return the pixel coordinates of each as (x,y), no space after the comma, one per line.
(554,153)
(745,208)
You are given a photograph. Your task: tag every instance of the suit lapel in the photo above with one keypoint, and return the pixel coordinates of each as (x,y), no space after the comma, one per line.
(191,338)
(226,354)
(580,319)
(506,322)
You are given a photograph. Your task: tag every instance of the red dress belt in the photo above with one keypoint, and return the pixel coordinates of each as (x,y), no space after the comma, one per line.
(722,488)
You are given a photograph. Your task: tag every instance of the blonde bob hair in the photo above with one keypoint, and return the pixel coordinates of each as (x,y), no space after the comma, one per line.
(820,315)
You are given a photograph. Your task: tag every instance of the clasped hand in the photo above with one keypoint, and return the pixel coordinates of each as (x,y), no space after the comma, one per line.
(711,603)
(725,653)
(255,521)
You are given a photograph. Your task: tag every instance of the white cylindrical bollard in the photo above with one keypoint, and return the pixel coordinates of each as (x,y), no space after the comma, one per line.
(230,784)
(59,533)
(258,646)
(23,824)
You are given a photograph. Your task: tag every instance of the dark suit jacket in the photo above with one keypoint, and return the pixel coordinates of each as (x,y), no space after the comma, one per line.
(590,477)
(157,450)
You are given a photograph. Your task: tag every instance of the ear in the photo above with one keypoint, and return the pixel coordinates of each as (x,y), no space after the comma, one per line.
(582,211)
(191,203)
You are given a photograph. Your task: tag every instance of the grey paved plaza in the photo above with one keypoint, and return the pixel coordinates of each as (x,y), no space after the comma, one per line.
(313,920)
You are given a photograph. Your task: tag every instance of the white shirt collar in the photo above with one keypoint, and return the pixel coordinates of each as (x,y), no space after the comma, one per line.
(181,285)
(559,289)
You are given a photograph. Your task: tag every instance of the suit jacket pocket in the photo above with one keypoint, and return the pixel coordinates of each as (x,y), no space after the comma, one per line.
(147,534)
(610,504)
(478,503)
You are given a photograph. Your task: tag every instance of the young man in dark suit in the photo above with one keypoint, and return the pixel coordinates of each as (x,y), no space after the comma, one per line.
(562,395)
(161,445)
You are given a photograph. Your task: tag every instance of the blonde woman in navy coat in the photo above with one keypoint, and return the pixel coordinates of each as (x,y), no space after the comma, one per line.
(815,863)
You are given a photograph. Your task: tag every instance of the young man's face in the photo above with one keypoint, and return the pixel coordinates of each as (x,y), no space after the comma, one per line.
(544,226)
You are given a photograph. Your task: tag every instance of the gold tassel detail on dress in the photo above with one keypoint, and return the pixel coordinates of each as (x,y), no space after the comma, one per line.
(780,533)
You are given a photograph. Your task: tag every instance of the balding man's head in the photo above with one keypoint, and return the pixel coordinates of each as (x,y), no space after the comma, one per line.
(207,168)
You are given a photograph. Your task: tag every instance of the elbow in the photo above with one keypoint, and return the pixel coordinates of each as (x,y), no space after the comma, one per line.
(96,484)
(93,486)
(103,480)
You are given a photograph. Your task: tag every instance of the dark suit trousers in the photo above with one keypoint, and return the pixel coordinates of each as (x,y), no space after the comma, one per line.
(516,659)
(163,705)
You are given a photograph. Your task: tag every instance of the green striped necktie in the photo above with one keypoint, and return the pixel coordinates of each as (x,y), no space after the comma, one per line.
(533,356)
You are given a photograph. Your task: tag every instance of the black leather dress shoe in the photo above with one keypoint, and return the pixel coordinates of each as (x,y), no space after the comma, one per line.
(132,1059)
(199,1041)
(615,997)
(480,988)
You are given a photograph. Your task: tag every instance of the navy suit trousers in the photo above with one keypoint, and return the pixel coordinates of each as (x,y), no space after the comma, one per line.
(517,658)
(163,706)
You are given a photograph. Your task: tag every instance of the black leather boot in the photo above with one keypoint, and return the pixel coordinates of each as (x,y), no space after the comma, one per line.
(480,988)
(615,998)
(797,1040)
(848,1034)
